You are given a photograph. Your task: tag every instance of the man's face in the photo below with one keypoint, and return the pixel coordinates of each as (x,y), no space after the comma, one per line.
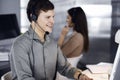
(46,20)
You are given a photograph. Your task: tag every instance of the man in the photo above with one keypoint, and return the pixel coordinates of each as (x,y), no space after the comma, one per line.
(34,54)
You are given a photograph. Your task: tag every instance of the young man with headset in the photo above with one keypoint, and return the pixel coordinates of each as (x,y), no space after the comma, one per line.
(34,54)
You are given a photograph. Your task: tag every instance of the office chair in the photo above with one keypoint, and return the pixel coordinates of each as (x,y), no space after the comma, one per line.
(7,76)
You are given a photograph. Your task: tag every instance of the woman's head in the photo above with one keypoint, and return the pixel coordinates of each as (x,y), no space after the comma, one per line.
(78,19)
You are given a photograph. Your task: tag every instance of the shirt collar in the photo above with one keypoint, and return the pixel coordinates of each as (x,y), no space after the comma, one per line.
(34,36)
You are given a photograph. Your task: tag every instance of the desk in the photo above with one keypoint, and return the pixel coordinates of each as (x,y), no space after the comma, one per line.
(4,67)
(96,76)
(100,71)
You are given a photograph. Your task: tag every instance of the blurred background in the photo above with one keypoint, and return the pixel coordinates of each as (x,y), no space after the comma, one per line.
(103,17)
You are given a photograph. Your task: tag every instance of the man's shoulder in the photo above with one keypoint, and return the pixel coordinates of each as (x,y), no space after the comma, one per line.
(22,40)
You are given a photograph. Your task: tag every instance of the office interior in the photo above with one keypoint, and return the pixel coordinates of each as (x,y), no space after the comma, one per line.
(103,17)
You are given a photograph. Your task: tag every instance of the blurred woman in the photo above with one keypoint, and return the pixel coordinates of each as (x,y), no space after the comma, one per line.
(74,39)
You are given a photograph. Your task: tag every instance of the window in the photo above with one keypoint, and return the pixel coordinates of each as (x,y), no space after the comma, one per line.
(24,21)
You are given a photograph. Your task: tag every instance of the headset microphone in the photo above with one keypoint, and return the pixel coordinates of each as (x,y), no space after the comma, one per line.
(34,18)
(46,32)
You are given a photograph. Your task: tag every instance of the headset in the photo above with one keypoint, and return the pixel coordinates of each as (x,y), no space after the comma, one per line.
(34,18)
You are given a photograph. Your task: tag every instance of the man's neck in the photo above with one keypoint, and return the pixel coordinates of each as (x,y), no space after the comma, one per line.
(38,30)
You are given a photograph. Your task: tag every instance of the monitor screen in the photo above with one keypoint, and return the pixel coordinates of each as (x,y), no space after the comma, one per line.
(8,26)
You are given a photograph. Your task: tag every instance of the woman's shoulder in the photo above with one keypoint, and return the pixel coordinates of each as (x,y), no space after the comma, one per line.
(78,35)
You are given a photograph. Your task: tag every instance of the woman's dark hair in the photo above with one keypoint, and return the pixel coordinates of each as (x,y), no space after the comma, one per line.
(35,6)
(79,20)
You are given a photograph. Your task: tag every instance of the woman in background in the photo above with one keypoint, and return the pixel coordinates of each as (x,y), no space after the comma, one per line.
(74,36)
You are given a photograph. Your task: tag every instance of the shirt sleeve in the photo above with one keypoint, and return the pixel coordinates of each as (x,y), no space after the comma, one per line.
(64,67)
(20,64)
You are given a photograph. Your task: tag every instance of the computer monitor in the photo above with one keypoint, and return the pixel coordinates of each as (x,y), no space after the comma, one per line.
(8,26)
(115,74)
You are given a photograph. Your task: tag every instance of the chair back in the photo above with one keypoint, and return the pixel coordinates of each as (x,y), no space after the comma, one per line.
(7,76)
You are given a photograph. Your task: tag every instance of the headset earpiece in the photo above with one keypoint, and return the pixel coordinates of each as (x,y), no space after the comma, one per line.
(34,17)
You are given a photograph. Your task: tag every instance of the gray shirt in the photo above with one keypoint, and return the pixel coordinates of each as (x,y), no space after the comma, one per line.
(31,59)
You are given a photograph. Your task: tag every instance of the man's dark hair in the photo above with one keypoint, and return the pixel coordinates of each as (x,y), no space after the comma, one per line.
(35,6)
